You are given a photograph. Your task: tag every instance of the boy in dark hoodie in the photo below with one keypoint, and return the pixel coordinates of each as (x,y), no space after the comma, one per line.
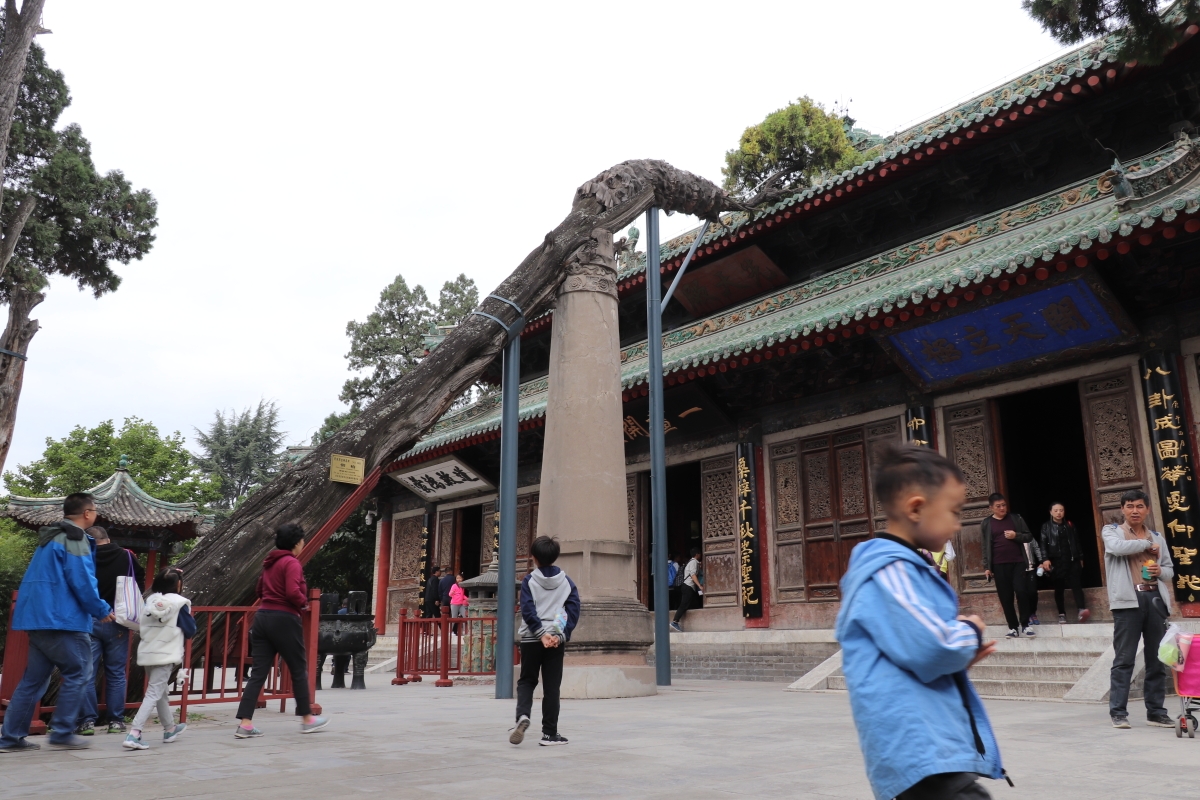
(549,612)
(905,649)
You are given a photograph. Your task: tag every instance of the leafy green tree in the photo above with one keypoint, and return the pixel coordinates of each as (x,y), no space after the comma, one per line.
(16,548)
(86,457)
(59,215)
(793,147)
(241,450)
(332,424)
(343,564)
(392,339)
(1148,35)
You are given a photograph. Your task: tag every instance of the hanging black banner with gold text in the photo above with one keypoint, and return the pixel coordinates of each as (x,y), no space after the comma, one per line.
(1173,469)
(426,558)
(748,533)
(918,426)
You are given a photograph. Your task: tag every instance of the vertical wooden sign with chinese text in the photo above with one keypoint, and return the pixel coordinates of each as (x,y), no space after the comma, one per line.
(426,559)
(918,426)
(1173,468)
(748,539)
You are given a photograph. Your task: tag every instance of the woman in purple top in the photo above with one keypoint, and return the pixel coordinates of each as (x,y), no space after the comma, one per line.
(1004,538)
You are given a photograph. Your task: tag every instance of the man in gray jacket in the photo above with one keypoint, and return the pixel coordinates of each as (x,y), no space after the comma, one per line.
(1139,571)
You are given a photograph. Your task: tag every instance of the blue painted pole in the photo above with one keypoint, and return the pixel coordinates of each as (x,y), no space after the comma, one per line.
(658,456)
(506,580)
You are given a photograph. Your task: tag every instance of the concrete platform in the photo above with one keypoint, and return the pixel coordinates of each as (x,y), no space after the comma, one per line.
(725,739)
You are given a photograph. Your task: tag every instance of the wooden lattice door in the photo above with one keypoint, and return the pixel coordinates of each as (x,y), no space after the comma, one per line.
(836,507)
(719,530)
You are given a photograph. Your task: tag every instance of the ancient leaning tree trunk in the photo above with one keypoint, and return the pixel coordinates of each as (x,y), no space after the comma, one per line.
(224,566)
(20,28)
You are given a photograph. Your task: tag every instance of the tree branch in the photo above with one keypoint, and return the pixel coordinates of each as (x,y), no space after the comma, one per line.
(13,233)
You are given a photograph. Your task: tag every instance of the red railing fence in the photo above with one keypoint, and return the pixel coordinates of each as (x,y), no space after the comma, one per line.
(444,646)
(216,664)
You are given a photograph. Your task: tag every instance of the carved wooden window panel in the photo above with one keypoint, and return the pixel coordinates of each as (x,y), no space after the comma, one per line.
(970,443)
(404,571)
(719,531)
(1113,436)
(445,535)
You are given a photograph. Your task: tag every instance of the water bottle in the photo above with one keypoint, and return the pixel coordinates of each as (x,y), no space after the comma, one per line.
(1041,572)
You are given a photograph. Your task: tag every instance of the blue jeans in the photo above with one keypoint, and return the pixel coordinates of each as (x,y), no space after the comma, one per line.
(70,651)
(110,650)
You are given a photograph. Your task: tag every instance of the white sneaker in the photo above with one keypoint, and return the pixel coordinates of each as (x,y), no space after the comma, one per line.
(1013,633)
(1029,631)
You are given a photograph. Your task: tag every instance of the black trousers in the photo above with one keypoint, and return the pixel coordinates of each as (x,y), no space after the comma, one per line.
(946,786)
(276,633)
(548,661)
(688,597)
(1067,575)
(1012,579)
(1148,622)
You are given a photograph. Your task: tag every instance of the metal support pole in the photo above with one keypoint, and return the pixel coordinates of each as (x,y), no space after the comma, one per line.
(506,580)
(658,457)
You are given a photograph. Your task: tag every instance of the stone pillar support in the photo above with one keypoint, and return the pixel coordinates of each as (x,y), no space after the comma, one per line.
(583,501)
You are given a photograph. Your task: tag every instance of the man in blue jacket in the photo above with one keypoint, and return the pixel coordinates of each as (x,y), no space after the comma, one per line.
(56,603)
(905,650)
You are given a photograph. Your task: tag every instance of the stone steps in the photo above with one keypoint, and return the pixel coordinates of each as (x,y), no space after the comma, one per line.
(385,648)
(987,671)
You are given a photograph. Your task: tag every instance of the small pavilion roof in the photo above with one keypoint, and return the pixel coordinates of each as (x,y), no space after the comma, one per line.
(1075,221)
(120,503)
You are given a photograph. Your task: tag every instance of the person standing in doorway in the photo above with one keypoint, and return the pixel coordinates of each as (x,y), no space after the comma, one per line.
(444,584)
(1060,546)
(109,640)
(277,631)
(1004,538)
(1139,570)
(57,604)
(691,591)
(432,598)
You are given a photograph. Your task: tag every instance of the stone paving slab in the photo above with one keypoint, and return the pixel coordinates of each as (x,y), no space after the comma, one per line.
(721,739)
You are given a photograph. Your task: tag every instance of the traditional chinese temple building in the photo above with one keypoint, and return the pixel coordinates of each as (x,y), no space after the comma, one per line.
(134,520)
(1015,282)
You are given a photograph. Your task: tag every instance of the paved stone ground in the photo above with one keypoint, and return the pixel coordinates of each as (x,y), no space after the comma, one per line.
(723,739)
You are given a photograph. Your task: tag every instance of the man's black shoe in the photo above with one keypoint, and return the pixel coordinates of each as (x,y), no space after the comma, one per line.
(1160,721)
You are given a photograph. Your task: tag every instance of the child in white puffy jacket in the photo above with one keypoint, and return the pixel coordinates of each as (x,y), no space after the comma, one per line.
(166,621)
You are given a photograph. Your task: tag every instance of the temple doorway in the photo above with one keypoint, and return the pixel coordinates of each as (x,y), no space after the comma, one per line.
(1044,460)
(471,541)
(683,521)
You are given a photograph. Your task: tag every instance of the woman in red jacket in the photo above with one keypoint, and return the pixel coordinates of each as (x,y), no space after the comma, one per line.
(277,630)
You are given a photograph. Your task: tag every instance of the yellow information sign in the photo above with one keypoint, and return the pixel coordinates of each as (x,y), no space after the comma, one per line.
(346,469)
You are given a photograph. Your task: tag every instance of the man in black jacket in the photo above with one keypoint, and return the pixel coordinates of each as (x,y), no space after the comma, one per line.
(444,585)
(432,593)
(110,640)
(1060,545)
(1005,558)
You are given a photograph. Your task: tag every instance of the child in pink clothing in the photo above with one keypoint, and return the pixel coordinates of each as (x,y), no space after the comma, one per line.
(458,599)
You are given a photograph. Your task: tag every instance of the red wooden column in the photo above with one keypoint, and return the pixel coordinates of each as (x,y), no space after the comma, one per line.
(383,573)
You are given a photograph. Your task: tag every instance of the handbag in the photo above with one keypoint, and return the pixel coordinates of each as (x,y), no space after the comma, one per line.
(128,599)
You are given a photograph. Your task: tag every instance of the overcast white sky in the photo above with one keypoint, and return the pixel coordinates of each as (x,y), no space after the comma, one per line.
(304,153)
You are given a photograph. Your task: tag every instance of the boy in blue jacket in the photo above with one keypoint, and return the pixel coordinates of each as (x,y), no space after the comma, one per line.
(905,650)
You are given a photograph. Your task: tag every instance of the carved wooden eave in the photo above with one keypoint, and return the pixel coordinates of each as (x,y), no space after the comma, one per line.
(1064,229)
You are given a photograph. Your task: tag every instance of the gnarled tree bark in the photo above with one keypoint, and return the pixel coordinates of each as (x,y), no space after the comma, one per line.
(224,566)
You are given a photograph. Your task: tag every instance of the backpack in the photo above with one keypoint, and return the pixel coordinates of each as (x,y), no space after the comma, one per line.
(677,581)
(672,573)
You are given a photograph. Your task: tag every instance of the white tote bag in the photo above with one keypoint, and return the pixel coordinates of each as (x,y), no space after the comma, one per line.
(129,599)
